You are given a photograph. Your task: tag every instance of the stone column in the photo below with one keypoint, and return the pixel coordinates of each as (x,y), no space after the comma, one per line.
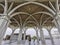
(37,36)
(3,28)
(57,18)
(24,34)
(12,35)
(5,22)
(20,37)
(52,41)
(42,36)
(56,22)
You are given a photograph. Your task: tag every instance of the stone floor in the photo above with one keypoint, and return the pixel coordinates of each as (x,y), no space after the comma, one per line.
(48,42)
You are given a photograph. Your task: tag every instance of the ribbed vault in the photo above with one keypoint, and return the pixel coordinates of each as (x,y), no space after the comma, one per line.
(30,12)
(26,14)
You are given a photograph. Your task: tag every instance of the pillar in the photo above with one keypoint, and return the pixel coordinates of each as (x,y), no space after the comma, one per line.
(42,37)
(52,41)
(5,22)
(24,38)
(12,35)
(3,28)
(24,34)
(37,36)
(57,24)
(20,37)
(57,18)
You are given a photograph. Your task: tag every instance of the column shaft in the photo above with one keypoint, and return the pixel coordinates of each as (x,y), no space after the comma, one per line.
(37,36)
(20,36)
(12,35)
(3,28)
(24,34)
(42,37)
(52,41)
(57,25)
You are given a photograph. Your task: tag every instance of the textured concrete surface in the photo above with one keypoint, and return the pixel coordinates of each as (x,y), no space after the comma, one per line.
(48,42)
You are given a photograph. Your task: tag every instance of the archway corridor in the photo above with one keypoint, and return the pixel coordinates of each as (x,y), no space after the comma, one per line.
(30,22)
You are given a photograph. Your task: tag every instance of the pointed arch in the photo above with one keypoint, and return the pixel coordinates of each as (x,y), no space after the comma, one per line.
(40,4)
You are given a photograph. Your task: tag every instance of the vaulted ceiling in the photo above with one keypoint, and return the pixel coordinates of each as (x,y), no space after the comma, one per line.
(30,9)
(27,0)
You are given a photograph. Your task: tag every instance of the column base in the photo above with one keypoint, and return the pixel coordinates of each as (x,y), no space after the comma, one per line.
(21,42)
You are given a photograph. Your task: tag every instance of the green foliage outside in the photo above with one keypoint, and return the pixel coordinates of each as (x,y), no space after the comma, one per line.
(34,37)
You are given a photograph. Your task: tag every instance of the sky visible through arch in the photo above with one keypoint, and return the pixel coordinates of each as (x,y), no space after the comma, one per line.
(31,31)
